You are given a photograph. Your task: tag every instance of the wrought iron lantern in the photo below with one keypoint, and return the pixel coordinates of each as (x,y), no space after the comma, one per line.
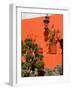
(46,22)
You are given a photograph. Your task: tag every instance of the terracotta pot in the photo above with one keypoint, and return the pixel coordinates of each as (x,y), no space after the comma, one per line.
(52,48)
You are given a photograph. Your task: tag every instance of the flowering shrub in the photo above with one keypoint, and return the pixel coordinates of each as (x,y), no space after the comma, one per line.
(34,55)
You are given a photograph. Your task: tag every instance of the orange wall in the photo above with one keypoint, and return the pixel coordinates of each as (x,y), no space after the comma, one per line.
(34,28)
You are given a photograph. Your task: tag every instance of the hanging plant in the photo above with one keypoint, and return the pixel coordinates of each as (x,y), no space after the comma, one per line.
(52,42)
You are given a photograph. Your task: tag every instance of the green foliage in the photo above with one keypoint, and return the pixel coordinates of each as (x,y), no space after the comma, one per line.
(25,73)
(34,57)
(28,42)
(30,50)
(39,56)
(35,47)
(26,65)
(49,71)
(39,65)
(29,56)
(56,71)
(59,69)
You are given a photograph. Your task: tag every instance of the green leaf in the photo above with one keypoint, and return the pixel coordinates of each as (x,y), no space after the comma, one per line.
(39,56)
(39,64)
(28,56)
(28,42)
(26,65)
